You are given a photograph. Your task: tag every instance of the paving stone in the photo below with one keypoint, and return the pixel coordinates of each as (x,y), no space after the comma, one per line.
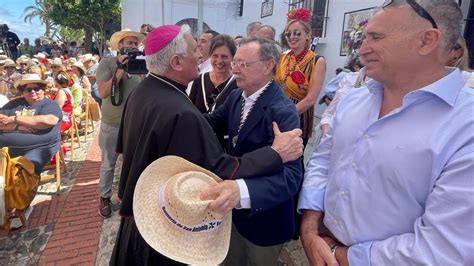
(31,234)
(49,228)
(39,243)
(2,243)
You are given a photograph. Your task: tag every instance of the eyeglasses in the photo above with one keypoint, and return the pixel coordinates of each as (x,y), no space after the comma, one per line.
(244,64)
(31,89)
(418,9)
(295,33)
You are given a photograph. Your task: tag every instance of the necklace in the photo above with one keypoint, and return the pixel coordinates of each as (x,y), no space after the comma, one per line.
(155,76)
(298,58)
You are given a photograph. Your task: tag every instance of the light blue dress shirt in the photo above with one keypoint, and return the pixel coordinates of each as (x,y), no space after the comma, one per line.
(399,190)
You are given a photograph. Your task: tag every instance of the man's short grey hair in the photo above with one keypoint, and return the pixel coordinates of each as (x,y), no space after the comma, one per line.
(158,63)
(252,26)
(268,49)
(269,27)
(448,16)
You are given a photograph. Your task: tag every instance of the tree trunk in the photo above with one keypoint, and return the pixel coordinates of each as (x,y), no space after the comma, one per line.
(88,40)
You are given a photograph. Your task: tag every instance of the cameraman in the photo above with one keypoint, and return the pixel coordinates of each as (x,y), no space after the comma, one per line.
(115,85)
(13,42)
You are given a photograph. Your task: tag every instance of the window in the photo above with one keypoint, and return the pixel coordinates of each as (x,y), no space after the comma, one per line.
(319,14)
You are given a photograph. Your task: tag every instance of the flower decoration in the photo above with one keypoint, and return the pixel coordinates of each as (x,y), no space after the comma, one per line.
(297,77)
(300,13)
(355,40)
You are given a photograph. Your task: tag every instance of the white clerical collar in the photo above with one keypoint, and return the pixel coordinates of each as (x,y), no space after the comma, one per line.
(256,94)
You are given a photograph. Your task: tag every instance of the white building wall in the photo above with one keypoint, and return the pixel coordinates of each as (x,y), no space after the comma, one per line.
(221,15)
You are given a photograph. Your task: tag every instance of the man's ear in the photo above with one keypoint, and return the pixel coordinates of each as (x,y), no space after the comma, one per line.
(176,62)
(430,41)
(269,66)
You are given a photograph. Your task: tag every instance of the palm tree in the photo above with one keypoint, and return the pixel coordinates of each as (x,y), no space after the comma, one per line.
(42,9)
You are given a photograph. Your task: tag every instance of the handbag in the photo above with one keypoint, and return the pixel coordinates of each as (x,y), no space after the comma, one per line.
(20,181)
(94,109)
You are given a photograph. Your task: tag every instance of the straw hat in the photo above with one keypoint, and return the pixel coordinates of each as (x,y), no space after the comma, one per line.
(80,66)
(41,55)
(3,57)
(28,79)
(119,35)
(171,217)
(9,63)
(56,62)
(87,57)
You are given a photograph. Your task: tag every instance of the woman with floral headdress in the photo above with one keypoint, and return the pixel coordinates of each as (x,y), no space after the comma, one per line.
(301,72)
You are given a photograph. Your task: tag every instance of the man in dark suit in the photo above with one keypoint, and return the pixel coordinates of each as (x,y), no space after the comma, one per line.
(263,208)
(159,120)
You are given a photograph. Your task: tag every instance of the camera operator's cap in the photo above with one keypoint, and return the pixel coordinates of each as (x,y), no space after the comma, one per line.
(119,35)
(9,63)
(159,37)
(172,218)
(28,79)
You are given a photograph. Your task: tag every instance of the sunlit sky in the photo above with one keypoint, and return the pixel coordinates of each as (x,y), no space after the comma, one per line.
(12,14)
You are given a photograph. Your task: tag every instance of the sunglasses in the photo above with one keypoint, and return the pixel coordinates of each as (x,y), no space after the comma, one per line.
(54,66)
(295,33)
(132,43)
(418,9)
(31,89)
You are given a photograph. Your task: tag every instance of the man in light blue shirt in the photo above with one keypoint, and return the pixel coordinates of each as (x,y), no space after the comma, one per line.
(394,177)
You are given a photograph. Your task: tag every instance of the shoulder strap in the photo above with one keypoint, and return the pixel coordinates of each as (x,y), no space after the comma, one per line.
(223,90)
(203,87)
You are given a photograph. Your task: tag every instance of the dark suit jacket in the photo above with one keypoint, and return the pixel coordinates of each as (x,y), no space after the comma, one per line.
(270,220)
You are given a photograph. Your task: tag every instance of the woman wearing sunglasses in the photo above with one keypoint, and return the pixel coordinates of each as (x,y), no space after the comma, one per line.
(29,125)
(301,72)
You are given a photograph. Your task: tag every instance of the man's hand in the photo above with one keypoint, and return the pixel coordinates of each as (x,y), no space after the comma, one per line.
(317,249)
(225,196)
(288,145)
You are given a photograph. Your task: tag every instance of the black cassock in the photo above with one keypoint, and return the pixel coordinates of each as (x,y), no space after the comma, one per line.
(159,120)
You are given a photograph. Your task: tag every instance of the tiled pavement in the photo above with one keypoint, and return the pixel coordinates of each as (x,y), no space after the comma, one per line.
(65,228)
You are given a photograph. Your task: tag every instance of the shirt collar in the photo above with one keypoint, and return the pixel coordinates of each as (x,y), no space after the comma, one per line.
(256,94)
(446,88)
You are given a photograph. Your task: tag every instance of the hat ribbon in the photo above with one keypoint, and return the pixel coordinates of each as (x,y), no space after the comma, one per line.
(205,227)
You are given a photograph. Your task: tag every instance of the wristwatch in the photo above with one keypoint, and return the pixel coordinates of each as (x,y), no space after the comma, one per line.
(333,249)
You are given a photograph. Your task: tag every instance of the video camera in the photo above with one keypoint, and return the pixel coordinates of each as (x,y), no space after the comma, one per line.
(136,64)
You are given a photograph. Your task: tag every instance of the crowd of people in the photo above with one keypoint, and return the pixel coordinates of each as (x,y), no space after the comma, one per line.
(390,183)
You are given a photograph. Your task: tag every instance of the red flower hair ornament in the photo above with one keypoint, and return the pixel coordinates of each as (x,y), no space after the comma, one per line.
(300,14)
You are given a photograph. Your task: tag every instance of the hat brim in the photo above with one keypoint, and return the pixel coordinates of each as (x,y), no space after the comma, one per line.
(116,37)
(25,82)
(160,234)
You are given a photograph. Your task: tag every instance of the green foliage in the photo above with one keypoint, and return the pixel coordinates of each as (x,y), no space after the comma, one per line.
(68,34)
(43,10)
(85,14)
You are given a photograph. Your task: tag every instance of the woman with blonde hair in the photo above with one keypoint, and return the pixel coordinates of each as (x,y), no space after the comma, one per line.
(301,72)
(459,57)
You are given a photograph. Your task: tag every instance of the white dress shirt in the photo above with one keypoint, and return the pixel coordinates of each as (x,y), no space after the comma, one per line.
(399,190)
(249,102)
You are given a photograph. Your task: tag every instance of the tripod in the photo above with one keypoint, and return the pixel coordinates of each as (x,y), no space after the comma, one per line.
(4,47)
